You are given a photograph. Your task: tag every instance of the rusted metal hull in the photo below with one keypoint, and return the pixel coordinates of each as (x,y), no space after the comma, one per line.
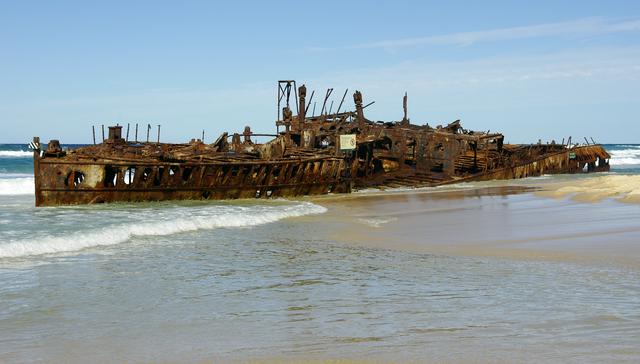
(59,183)
(584,161)
(56,183)
(328,153)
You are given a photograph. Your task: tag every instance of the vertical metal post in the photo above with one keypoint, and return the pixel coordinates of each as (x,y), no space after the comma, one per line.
(357,99)
(341,101)
(302,110)
(203,135)
(148,129)
(295,92)
(309,102)
(405,119)
(158,133)
(103,133)
(326,98)
(93,127)
(136,132)
(127,137)
(36,170)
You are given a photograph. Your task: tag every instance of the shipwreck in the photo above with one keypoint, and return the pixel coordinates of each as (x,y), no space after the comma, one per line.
(332,152)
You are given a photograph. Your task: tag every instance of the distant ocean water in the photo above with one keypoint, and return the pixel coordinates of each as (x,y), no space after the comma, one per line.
(194,281)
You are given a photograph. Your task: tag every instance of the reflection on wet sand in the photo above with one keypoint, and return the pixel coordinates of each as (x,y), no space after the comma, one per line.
(499,221)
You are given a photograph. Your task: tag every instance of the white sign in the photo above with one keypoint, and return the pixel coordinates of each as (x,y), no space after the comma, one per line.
(348,142)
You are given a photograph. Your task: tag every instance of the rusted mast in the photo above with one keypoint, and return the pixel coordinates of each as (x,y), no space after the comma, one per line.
(405,119)
(302,93)
(357,99)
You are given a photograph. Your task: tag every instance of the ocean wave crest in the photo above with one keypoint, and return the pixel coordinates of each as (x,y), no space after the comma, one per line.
(173,222)
(624,161)
(15,153)
(16,186)
(636,146)
(630,156)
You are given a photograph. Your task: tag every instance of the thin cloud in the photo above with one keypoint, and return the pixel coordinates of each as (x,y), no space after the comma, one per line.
(575,28)
(604,67)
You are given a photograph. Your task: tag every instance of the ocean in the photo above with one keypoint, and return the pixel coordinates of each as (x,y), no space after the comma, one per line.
(482,272)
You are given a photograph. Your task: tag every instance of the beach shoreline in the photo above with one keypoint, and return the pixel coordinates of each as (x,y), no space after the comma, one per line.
(404,220)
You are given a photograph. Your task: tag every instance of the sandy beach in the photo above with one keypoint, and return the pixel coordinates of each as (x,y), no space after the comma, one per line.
(536,219)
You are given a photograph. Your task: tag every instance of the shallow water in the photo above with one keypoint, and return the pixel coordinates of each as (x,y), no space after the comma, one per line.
(244,280)
(284,290)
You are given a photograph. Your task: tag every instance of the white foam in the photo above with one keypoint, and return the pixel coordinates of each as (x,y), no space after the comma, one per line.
(16,186)
(15,175)
(15,153)
(630,156)
(624,161)
(174,222)
(376,222)
(625,153)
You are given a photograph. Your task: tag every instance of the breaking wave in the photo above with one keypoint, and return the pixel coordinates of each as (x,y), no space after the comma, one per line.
(625,157)
(17,184)
(15,154)
(173,221)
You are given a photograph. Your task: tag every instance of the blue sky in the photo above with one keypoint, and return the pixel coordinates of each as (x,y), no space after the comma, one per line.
(543,69)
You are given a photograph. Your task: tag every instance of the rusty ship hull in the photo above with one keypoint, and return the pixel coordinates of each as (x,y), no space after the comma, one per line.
(328,153)
(161,181)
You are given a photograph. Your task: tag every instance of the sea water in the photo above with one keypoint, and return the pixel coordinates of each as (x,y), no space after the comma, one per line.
(201,281)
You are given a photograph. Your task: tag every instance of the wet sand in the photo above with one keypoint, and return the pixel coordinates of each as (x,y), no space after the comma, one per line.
(534,221)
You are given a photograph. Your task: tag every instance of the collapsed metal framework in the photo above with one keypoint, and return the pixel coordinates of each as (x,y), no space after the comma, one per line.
(329,152)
